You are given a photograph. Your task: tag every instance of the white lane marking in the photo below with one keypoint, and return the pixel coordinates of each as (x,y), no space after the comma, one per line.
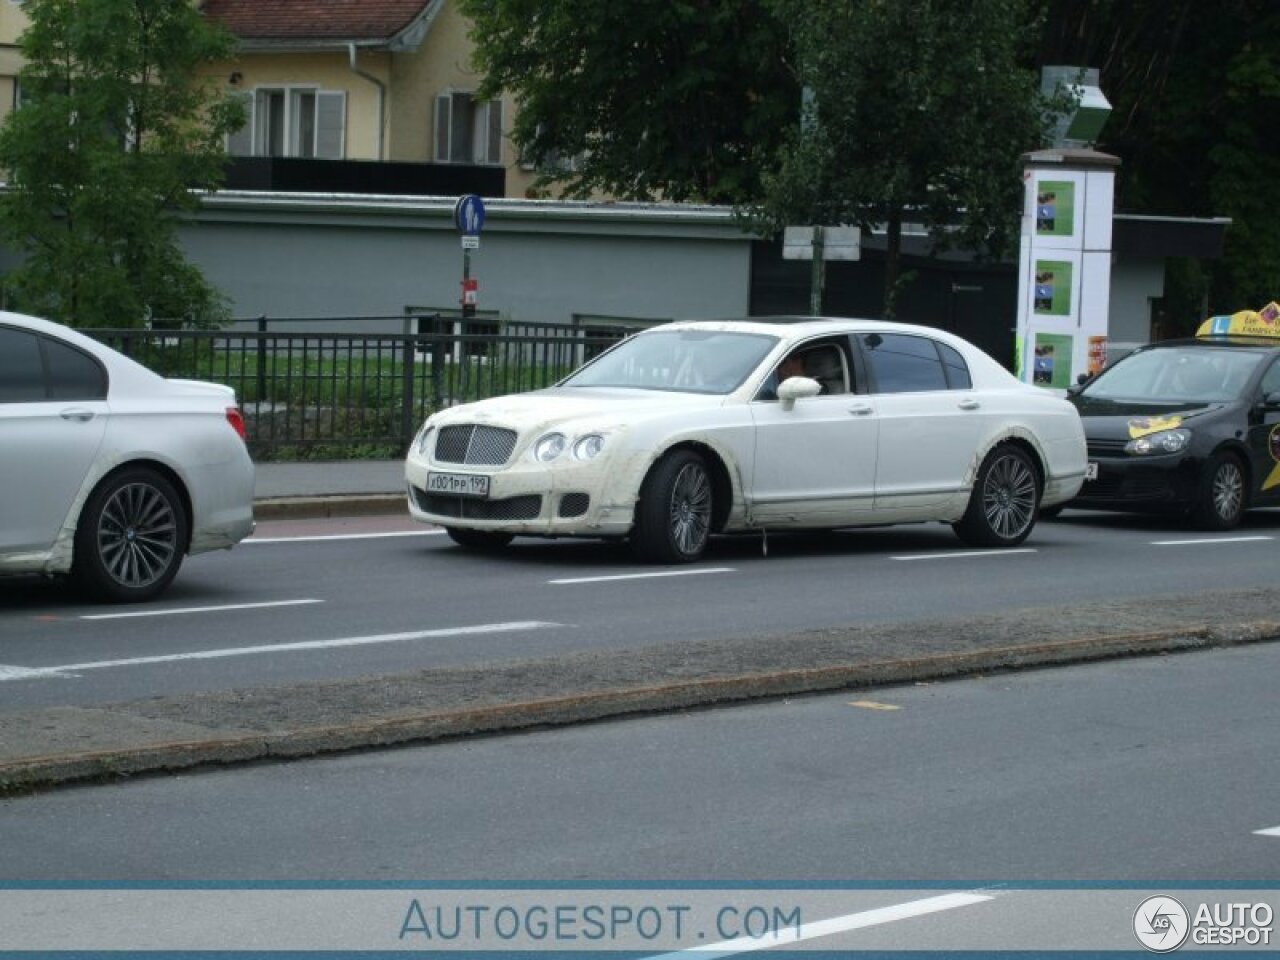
(1183,543)
(647,576)
(23,673)
(1269,832)
(176,610)
(966,554)
(345,536)
(834,925)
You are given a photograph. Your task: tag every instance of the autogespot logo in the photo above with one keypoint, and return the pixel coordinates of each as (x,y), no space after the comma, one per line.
(1161,924)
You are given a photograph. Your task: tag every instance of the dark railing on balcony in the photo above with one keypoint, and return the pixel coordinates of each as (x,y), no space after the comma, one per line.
(319,395)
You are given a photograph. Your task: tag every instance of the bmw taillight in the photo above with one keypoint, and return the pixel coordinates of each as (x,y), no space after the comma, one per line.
(236,419)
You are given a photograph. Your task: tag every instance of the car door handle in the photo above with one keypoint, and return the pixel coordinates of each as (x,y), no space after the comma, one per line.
(969,404)
(861,409)
(79,414)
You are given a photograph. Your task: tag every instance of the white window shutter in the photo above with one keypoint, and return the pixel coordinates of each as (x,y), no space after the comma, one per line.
(494,138)
(444,123)
(331,124)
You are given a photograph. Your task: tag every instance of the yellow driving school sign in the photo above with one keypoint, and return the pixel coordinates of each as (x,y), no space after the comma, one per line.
(1245,323)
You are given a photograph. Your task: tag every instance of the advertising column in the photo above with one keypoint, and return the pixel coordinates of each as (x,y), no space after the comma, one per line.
(1064,270)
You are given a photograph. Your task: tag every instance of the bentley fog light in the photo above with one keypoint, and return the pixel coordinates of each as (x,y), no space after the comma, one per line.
(1166,441)
(549,447)
(588,447)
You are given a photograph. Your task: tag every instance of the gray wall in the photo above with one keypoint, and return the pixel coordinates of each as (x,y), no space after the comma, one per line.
(1134,284)
(308,256)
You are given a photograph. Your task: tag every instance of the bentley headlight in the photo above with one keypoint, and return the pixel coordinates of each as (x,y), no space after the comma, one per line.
(549,447)
(588,447)
(423,439)
(1166,441)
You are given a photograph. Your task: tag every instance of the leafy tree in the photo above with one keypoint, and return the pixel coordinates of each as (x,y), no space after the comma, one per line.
(673,99)
(115,131)
(1195,91)
(921,111)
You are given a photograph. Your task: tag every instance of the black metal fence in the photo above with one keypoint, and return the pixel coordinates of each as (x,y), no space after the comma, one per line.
(341,395)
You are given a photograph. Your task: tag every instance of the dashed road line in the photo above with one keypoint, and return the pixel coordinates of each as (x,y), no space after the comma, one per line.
(965,555)
(11,672)
(645,576)
(344,536)
(221,608)
(1200,540)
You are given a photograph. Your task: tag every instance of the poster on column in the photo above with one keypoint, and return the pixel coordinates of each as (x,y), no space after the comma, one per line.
(1051,362)
(1054,287)
(1057,220)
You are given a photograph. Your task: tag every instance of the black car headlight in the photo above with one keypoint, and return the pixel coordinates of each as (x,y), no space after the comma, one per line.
(1166,441)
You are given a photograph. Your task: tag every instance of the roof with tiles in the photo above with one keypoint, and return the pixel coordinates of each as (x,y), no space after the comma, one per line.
(314,20)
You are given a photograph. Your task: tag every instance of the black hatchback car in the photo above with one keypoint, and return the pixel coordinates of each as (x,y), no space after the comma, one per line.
(1185,426)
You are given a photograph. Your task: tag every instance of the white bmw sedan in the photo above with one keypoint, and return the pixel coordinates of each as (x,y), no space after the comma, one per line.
(109,472)
(696,428)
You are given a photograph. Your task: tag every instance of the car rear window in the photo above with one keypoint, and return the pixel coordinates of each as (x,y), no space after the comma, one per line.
(21,370)
(73,375)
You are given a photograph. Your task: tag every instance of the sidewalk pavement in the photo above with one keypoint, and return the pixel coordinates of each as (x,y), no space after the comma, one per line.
(328,488)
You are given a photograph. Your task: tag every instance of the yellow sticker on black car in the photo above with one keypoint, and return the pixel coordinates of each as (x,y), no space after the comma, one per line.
(1141,426)
(1273,445)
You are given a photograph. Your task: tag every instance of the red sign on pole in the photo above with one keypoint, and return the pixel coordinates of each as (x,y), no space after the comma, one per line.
(470,291)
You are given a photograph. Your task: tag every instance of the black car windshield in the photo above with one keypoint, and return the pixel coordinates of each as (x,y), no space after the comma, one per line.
(681,361)
(1177,374)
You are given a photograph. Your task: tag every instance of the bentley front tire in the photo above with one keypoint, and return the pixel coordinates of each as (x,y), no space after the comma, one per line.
(673,515)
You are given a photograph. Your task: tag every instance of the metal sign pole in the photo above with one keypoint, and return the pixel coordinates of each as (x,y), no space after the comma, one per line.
(817,274)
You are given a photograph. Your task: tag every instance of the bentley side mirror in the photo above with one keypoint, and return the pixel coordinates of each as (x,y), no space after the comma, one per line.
(797,388)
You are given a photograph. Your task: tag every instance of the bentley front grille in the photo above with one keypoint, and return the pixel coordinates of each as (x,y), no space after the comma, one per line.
(475,444)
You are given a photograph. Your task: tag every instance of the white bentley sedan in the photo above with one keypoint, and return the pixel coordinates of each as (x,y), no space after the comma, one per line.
(696,428)
(111,473)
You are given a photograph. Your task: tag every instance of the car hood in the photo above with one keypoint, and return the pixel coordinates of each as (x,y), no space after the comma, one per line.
(563,405)
(1127,419)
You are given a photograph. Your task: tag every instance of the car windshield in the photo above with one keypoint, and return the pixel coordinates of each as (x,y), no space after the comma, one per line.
(1174,374)
(681,361)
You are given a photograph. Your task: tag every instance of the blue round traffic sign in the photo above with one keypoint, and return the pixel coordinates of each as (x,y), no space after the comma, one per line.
(468,214)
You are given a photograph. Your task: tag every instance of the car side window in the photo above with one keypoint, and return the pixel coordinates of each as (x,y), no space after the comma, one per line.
(826,362)
(21,368)
(73,375)
(901,363)
(956,369)
(1271,379)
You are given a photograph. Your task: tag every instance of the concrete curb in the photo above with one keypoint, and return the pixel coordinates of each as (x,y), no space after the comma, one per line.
(317,508)
(417,726)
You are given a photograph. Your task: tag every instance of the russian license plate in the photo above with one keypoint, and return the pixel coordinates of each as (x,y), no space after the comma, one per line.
(458,484)
(1091,471)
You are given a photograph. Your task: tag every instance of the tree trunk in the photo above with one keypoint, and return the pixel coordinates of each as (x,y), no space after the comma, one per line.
(892,253)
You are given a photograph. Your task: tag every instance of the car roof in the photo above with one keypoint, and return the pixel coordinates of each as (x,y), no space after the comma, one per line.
(801,327)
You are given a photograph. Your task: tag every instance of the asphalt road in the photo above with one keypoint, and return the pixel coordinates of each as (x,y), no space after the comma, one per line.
(344,598)
(1159,770)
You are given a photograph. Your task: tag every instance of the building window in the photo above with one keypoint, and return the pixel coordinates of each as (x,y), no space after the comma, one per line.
(292,122)
(468,130)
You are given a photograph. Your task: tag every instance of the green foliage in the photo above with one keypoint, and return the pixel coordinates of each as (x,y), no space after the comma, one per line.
(1195,91)
(115,131)
(683,100)
(921,111)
